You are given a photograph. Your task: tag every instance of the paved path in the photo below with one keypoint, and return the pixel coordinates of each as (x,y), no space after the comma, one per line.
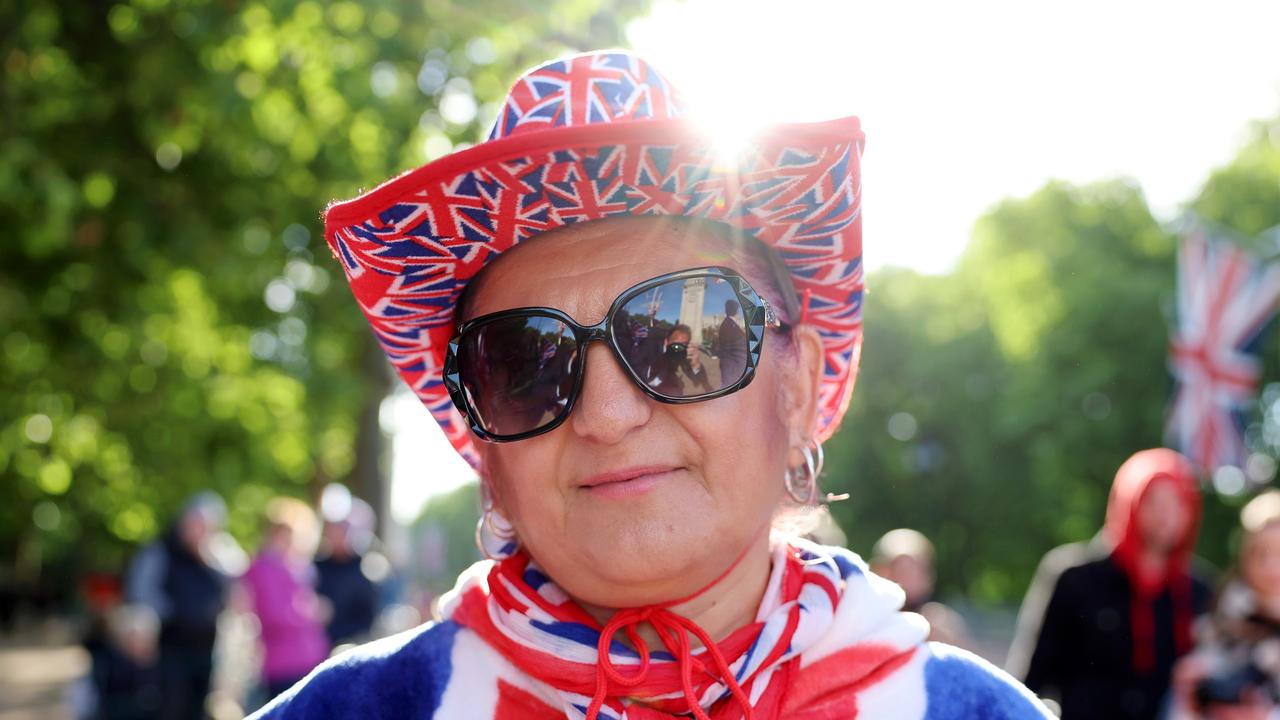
(44,670)
(37,676)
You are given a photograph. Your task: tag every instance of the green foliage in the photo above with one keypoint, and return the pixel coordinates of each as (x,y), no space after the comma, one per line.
(169,318)
(1245,195)
(996,403)
(444,539)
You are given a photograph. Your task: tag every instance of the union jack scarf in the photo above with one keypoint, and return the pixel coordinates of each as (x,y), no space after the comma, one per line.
(795,658)
(829,643)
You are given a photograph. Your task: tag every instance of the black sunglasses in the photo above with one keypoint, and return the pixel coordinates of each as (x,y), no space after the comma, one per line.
(682,337)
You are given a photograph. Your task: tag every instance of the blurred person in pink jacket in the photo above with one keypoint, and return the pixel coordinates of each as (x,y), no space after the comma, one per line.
(281,580)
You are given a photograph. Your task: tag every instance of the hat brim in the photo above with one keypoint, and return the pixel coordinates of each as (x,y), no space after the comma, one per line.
(409,246)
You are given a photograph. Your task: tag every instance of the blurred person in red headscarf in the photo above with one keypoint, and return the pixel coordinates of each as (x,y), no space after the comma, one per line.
(1104,622)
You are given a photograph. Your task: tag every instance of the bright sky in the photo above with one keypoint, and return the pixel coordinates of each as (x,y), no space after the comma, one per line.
(963,103)
(967,103)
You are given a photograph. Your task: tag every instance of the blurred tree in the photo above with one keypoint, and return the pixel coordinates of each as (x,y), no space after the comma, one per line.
(996,403)
(1245,194)
(444,534)
(918,431)
(169,318)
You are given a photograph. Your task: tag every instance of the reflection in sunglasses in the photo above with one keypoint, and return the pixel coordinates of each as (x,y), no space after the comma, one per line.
(681,338)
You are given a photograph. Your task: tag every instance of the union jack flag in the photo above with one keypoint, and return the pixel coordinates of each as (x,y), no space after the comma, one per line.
(1225,299)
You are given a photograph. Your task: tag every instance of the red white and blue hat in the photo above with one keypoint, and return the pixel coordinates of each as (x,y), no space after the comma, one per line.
(585,138)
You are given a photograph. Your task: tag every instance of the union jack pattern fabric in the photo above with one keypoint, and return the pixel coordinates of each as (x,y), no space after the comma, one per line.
(592,88)
(829,643)
(1225,299)
(520,607)
(586,138)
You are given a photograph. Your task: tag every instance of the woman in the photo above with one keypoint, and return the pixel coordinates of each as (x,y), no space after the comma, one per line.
(634,571)
(1104,622)
(281,580)
(1235,669)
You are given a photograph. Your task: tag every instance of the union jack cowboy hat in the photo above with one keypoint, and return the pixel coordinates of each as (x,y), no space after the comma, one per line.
(585,138)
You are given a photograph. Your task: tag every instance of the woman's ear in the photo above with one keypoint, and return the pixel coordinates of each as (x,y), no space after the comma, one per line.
(489,494)
(800,384)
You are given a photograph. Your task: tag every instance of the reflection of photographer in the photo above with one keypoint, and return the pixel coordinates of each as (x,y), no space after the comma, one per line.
(1235,670)
(678,370)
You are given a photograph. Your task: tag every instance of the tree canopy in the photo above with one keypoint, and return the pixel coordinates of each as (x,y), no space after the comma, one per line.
(996,403)
(169,318)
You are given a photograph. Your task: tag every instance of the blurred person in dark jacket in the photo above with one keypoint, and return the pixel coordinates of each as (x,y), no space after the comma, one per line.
(906,557)
(343,578)
(1104,622)
(125,673)
(183,578)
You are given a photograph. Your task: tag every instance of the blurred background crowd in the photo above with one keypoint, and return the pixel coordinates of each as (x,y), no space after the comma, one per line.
(196,624)
(184,380)
(191,601)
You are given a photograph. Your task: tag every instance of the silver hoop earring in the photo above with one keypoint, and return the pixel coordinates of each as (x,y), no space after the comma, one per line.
(815,457)
(801,482)
(495,535)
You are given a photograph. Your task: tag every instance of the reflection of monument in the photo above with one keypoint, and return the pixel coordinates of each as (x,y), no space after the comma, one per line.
(691,307)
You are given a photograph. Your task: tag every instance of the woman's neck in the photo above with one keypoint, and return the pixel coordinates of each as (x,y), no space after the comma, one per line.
(1153,564)
(728,604)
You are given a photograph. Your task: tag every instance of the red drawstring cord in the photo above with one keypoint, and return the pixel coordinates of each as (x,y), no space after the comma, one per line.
(673,630)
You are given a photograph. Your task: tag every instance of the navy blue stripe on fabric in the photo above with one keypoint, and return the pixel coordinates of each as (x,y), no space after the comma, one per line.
(582,634)
(847,567)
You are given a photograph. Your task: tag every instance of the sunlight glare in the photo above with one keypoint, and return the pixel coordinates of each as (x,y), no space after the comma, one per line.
(965,104)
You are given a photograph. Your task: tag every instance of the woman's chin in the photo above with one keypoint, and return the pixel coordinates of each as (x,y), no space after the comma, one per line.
(639,566)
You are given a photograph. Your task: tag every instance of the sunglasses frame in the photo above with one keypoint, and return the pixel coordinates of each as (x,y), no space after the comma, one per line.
(757,314)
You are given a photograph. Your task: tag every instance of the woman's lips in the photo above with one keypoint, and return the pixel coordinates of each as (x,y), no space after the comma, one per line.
(628,482)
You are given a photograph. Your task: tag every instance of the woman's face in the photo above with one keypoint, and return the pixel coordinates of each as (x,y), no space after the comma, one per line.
(632,501)
(1163,517)
(1260,563)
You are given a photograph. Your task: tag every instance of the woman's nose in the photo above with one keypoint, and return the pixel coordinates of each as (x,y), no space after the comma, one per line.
(610,405)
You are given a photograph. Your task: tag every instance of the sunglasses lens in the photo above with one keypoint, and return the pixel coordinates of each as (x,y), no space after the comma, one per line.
(518,372)
(684,338)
